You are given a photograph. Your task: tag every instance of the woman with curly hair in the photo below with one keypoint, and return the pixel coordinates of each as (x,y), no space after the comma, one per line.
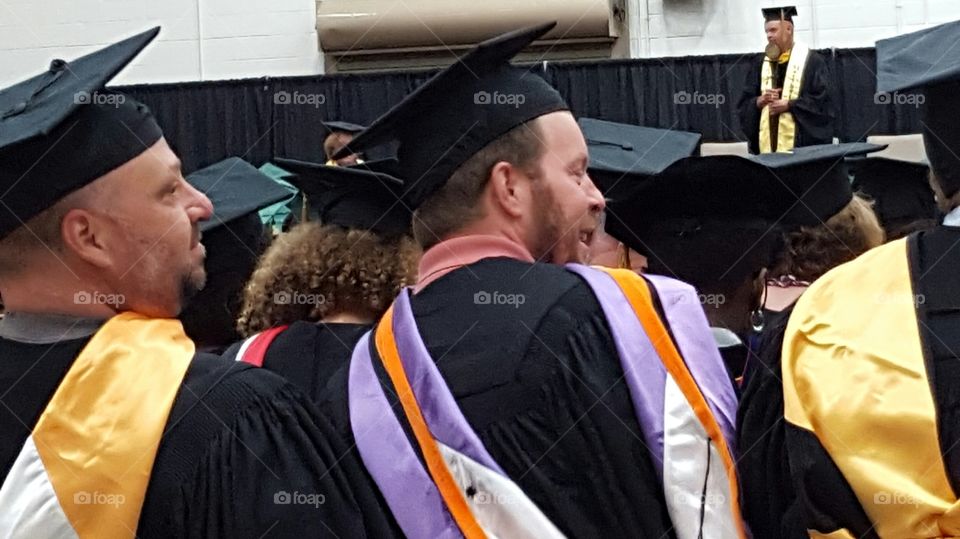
(829,226)
(319,287)
(327,274)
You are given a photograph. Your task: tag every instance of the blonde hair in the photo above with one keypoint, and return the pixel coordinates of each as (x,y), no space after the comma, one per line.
(812,251)
(314,271)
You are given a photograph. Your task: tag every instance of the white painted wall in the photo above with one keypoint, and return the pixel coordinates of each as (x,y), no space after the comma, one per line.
(223,39)
(200,39)
(685,27)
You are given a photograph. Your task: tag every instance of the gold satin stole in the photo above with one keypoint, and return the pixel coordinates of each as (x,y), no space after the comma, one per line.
(854,375)
(786,125)
(97,438)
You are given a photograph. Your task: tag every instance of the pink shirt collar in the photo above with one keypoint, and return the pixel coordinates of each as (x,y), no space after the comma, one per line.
(454,253)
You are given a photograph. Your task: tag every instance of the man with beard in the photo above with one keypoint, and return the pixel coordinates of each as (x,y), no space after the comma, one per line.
(111,424)
(786,101)
(534,399)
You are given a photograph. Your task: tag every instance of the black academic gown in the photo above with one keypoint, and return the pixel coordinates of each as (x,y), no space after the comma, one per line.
(236,437)
(768,498)
(542,386)
(309,354)
(316,358)
(812,111)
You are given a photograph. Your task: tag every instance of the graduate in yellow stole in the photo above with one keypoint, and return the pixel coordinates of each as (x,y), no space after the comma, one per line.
(112,423)
(786,101)
(871,355)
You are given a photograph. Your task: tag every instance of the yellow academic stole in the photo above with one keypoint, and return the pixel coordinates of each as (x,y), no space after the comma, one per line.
(787,127)
(84,469)
(863,390)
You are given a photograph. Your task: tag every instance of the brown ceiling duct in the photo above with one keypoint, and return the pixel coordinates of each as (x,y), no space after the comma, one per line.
(365,26)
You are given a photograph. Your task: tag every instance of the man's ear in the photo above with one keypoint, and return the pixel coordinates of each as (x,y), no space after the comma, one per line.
(84,234)
(510,189)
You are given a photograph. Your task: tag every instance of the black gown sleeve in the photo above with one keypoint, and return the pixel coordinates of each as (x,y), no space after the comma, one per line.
(825,502)
(249,456)
(789,484)
(813,110)
(768,499)
(747,109)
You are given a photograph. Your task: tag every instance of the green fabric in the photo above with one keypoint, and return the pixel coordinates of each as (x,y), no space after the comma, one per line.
(286,210)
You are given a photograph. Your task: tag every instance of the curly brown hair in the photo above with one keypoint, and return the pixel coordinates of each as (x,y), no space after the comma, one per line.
(315,271)
(812,251)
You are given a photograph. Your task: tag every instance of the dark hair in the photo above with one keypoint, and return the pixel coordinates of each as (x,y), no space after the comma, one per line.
(42,231)
(945,203)
(232,252)
(715,256)
(334,142)
(457,203)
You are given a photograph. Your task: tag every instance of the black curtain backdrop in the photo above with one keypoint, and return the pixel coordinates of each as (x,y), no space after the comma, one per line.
(259,119)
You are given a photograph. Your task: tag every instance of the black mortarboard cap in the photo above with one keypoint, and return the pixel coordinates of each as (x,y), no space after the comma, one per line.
(786,13)
(900,189)
(802,188)
(715,221)
(459,111)
(618,149)
(705,220)
(236,189)
(364,196)
(812,183)
(928,59)
(343,127)
(61,130)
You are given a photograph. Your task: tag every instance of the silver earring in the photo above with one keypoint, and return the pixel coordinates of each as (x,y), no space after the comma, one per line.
(756,320)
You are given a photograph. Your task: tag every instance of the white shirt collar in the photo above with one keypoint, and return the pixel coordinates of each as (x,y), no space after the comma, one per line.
(724,337)
(952,218)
